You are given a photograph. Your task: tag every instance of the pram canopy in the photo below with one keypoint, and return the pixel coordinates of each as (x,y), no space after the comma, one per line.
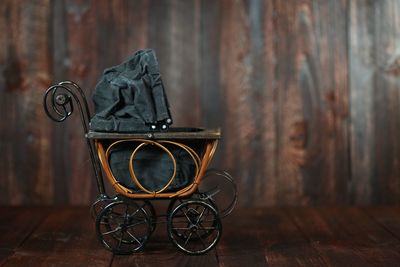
(130,97)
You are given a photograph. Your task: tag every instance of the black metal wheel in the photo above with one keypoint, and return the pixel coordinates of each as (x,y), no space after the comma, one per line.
(122,227)
(218,187)
(100,203)
(194,226)
(176,202)
(151,213)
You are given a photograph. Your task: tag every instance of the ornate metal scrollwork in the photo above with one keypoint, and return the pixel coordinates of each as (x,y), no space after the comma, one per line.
(58,103)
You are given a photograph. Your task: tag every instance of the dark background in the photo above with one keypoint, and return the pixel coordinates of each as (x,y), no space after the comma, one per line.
(306,92)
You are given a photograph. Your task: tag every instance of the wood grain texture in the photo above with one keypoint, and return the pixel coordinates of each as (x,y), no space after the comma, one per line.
(387,218)
(302,236)
(312,94)
(329,238)
(374,54)
(16,225)
(64,238)
(25,146)
(163,252)
(306,92)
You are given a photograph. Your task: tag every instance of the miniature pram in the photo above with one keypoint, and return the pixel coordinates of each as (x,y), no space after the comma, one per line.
(198,197)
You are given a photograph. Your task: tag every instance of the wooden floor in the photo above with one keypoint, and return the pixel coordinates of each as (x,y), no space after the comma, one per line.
(259,237)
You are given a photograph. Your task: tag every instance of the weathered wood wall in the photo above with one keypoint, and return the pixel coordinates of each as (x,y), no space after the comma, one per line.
(306,92)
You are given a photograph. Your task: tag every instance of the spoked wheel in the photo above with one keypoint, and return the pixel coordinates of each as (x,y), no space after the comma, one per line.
(151,213)
(218,188)
(123,228)
(194,227)
(178,201)
(100,203)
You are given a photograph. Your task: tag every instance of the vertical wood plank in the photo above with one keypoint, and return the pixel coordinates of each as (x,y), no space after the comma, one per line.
(267,175)
(210,96)
(374,54)
(239,126)
(312,151)
(209,42)
(289,116)
(60,150)
(81,30)
(25,146)
(159,30)
(323,80)
(262,144)
(305,91)
(182,80)
(7,58)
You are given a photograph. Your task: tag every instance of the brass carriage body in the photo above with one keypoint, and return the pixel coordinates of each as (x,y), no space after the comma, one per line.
(211,138)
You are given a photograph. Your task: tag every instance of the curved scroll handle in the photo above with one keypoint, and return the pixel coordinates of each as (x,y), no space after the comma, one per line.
(59,105)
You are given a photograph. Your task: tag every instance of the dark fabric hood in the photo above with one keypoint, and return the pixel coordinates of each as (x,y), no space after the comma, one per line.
(130,97)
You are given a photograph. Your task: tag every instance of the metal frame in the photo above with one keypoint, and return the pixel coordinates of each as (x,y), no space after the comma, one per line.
(60,97)
(112,228)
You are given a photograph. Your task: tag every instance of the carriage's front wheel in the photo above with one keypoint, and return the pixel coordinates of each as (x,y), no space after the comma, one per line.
(101,202)
(194,227)
(123,228)
(151,213)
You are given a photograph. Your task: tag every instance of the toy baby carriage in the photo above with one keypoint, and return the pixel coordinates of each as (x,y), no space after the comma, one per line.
(131,143)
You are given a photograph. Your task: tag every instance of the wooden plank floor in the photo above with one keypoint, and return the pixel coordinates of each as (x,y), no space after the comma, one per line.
(254,237)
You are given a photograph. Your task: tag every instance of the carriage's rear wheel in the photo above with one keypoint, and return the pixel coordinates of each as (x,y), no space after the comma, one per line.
(123,228)
(219,188)
(176,202)
(194,227)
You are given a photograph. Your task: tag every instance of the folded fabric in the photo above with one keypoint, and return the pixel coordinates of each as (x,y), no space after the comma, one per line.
(130,97)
